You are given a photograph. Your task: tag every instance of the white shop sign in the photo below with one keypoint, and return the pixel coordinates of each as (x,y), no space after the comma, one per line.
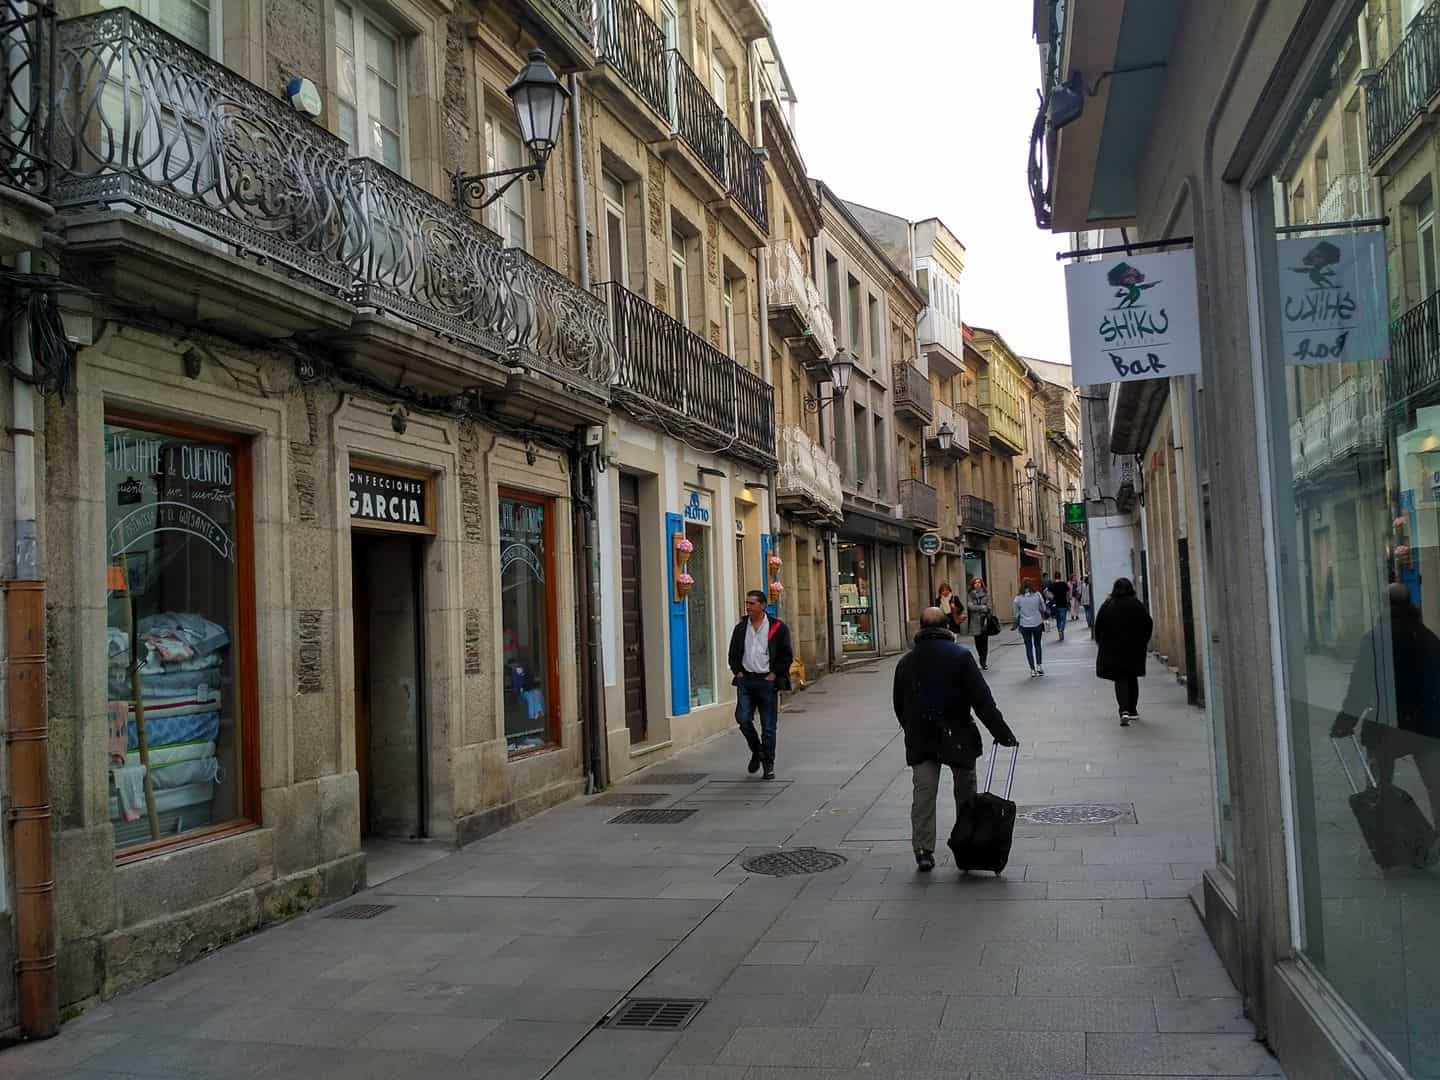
(1333,298)
(1133,317)
(696,510)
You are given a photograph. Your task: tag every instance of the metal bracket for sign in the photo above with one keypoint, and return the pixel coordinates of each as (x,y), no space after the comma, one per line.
(1126,249)
(1330,226)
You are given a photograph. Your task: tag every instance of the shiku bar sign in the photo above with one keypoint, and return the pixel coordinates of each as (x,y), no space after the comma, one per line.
(1133,317)
(1333,298)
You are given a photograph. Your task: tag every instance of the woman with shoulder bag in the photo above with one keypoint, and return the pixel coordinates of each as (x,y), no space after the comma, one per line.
(982,621)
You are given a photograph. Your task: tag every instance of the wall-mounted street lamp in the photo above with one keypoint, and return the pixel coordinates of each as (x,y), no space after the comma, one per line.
(1072,494)
(539,99)
(838,370)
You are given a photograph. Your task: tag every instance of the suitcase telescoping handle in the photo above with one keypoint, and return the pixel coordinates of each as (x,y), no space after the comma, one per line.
(990,773)
(1354,737)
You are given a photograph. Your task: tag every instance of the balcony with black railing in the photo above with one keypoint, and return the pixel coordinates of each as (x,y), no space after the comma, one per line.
(143,122)
(920,503)
(678,101)
(979,425)
(913,396)
(1413,374)
(977,514)
(671,378)
(27,61)
(567,28)
(1406,86)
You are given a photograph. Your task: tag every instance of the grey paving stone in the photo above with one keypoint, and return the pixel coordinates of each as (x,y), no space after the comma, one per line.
(1192,1014)
(528,1040)
(1120,980)
(780,952)
(449,1036)
(1204,977)
(545,1003)
(700,1045)
(1179,1055)
(266,1024)
(1013,1053)
(1035,1013)
(701,1072)
(1011,953)
(958,979)
(769,979)
(881,1011)
(1095,890)
(1127,871)
(607,1054)
(812,1048)
(732,1011)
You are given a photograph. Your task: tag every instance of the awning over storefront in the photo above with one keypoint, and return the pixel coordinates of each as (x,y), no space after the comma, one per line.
(863,527)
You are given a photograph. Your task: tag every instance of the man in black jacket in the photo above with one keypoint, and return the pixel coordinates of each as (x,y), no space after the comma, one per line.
(760,658)
(937,684)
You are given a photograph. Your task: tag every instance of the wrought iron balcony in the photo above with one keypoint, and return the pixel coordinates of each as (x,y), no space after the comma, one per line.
(694,114)
(808,483)
(919,503)
(796,308)
(947,416)
(568,26)
(630,42)
(1405,85)
(913,397)
(979,425)
(977,514)
(674,379)
(745,174)
(27,72)
(1414,366)
(144,121)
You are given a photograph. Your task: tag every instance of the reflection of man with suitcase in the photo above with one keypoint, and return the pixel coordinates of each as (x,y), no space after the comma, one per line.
(1395,828)
(937,684)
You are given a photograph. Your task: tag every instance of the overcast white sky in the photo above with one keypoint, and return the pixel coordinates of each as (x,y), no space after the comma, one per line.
(923,108)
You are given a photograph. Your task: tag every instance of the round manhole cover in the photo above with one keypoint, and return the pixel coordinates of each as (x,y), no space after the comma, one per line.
(1072,815)
(794,861)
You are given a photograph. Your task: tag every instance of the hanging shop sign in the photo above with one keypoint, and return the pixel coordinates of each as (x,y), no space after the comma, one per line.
(1133,317)
(929,544)
(1074,513)
(696,510)
(390,500)
(1334,298)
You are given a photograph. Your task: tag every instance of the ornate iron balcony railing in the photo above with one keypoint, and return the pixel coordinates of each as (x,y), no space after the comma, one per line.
(1414,352)
(671,376)
(746,173)
(558,327)
(1405,85)
(694,114)
(791,287)
(808,476)
(630,41)
(27,79)
(912,391)
(977,513)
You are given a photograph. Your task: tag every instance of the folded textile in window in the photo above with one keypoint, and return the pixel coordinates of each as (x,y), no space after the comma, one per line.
(130,787)
(117,713)
(202,701)
(117,643)
(166,730)
(196,631)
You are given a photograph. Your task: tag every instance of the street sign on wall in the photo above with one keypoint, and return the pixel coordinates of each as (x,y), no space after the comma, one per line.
(1133,317)
(930,544)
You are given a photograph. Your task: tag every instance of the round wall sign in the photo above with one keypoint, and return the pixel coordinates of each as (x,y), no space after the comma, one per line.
(929,543)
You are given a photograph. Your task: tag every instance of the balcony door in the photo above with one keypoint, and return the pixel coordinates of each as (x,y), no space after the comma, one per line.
(195,22)
(616,242)
(1425,241)
(679,279)
(368,63)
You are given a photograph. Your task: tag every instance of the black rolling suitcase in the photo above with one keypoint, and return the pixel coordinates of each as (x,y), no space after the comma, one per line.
(1394,827)
(985,825)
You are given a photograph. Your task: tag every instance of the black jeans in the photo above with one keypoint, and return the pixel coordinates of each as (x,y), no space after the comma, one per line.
(1034,645)
(1127,694)
(982,647)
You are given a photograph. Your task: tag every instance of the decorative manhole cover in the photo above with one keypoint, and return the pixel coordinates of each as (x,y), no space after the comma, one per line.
(651,817)
(671,779)
(360,911)
(629,798)
(1080,814)
(794,861)
(664,1014)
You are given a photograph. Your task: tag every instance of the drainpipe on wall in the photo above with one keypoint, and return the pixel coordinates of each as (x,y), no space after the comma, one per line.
(29,735)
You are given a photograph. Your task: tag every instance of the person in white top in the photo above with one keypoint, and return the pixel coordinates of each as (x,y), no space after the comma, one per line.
(1030,618)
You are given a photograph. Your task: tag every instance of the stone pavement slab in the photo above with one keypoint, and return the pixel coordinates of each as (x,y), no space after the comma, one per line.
(504,960)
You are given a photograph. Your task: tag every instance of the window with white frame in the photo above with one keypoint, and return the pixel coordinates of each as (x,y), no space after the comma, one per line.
(507,215)
(719,82)
(679,278)
(369,62)
(617,260)
(727,307)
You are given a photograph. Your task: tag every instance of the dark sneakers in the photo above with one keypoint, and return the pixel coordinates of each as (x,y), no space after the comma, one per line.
(769,770)
(924,861)
(754,765)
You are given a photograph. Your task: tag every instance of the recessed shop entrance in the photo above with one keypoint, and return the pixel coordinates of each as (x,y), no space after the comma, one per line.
(391,521)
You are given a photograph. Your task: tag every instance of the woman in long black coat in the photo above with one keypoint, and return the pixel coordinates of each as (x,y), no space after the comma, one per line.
(1122,630)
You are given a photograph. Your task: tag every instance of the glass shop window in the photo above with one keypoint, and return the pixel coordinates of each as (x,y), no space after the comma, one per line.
(527,622)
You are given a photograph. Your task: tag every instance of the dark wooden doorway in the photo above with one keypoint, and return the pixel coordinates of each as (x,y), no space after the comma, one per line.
(632,602)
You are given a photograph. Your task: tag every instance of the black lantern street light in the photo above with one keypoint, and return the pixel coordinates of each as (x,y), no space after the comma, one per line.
(539,99)
(839,369)
(1072,494)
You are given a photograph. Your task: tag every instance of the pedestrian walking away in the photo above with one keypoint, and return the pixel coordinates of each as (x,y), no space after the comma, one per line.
(937,687)
(1060,604)
(1030,620)
(760,658)
(1122,631)
(983,625)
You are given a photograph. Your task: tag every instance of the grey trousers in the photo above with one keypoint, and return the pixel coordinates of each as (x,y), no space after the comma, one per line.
(926,776)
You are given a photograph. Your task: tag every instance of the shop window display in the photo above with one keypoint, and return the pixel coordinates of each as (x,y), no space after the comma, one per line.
(700,617)
(857,615)
(527,623)
(1353,401)
(175,546)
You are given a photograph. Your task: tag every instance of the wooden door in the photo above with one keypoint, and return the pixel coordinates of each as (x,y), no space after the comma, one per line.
(360,594)
(632,600)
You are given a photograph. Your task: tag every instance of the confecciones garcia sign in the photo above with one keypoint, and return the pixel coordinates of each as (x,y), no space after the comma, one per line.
(386,500)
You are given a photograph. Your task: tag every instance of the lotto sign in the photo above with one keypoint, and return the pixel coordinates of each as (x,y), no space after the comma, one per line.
(1333,298)
(1133,317)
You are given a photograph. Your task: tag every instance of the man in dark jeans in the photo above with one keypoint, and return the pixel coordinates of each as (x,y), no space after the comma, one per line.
(760,658)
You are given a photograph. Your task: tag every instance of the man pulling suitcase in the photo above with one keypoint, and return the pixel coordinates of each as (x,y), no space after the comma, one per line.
(937,685)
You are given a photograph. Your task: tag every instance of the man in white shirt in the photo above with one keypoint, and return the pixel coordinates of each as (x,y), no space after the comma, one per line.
(760,658)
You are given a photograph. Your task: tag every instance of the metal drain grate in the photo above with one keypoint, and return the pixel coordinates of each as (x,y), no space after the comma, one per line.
(655,1014)
(651,817)
(671,779)
(629,798)
(1079,814)
(794,861)
(360,911)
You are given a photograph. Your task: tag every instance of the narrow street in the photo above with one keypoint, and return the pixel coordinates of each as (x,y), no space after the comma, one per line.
(503,960)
